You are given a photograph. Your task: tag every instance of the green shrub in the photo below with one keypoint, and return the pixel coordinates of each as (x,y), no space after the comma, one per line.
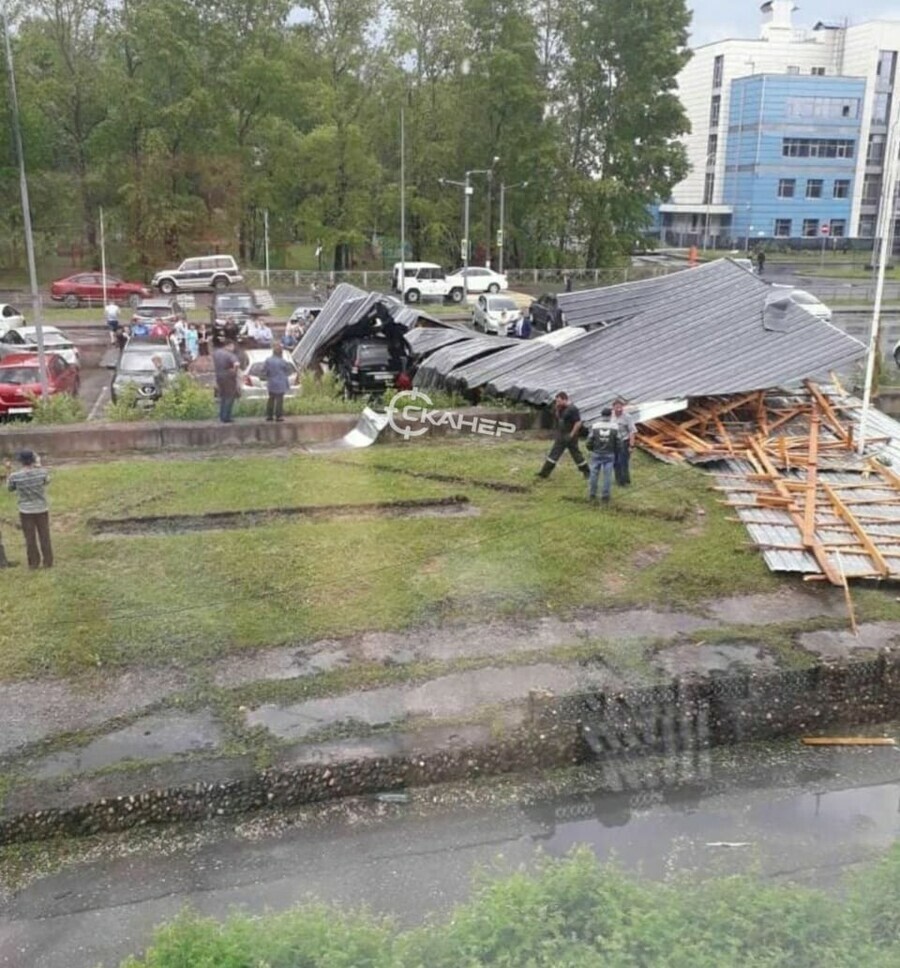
(573,913)
(126,408)
(60,408)
(184,399)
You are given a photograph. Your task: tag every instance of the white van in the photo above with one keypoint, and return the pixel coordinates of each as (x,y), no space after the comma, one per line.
(410,269)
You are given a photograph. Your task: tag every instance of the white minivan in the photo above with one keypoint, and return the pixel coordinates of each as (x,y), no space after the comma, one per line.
(409,269)
(203,272)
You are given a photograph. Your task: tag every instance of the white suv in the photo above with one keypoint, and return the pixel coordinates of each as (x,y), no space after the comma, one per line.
(428,281)
(204,272)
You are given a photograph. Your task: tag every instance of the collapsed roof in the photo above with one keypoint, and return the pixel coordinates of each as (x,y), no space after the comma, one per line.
(711,330)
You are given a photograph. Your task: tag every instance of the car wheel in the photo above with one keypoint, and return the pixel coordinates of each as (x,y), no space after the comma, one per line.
(493,288)
(220,282)
(71,301)
(456,295)
(134,300)
(167,286)
(413,296)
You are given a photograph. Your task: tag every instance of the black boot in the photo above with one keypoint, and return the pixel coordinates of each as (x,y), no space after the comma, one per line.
(546,470)
(585,470)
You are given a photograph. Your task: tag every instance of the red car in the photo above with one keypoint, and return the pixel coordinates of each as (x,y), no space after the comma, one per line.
(87,288)
(20,380)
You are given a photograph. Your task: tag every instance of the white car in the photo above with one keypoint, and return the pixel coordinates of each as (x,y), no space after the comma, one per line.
(496,314)
(482,279)
(429,281)
(806,300)
(253,386)
(24,340)
(10,318)
(203,272)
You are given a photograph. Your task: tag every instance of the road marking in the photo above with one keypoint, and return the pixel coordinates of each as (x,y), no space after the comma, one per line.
(100,398)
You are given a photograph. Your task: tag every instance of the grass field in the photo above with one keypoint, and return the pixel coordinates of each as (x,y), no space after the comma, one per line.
(117,601)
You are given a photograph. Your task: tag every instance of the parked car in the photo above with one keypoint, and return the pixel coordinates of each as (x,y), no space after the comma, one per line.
(135,368)
(365,365)
(203,272)
(152,316)
(24,340)
(10,318)
(253,385)
(410,268)
(496,314)
(86,288)
(545,313)
(482,279)
(429,281)
(806,300)
(228,314)
(20,381)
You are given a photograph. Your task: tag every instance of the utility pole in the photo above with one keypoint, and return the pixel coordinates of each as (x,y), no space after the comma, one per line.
(266,239)
(402,280)
(467,193)
(103,258)
(501,233)
(26,213)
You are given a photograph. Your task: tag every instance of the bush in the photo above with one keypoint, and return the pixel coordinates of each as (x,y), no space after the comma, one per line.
(575,913)
(126,408)
(184,399)
(60,408)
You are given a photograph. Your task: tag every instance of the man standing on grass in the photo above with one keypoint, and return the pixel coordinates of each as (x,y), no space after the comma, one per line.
(568,430)
(626,433)
(30,485)
(227,375)
(603,445)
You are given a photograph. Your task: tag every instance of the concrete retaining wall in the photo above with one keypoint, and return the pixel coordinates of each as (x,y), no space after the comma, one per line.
(620,733)
(88,439)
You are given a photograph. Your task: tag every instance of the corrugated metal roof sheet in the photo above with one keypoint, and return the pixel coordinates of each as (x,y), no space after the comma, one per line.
(703,332)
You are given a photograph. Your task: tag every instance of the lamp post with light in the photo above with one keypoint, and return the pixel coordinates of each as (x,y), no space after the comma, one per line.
(466,186)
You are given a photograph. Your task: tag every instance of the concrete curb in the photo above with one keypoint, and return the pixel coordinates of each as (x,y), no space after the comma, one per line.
(89,439)
(617,731)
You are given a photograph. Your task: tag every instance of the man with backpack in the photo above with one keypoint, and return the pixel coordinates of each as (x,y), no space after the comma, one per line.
(602,443)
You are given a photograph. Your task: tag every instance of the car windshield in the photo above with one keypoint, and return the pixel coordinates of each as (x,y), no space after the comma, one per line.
(19,375)
(153,312)
(235,302)
(372,352)
(498,304)
(143,362)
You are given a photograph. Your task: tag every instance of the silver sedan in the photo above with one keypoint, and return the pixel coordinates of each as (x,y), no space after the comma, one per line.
(496,314)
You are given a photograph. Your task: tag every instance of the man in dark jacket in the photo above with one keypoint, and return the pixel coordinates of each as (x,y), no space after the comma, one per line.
(568,430)
(602,443)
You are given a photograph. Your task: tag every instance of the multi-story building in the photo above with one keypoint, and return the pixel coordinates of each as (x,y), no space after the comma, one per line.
(788,133)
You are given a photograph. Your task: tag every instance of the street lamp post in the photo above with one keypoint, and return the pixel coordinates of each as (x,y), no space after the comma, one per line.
(888,194)
(500,237)
(467,194)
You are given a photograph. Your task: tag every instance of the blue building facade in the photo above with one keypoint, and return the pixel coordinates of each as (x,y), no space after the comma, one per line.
(792,154)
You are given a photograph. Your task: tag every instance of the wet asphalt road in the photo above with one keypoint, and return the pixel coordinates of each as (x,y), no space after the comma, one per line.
(807,815)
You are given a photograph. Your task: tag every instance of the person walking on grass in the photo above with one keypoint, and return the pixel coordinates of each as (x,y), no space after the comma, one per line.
(227,379)
(626,434)
(30,486)
(568,430)
(603,445)
(277,373)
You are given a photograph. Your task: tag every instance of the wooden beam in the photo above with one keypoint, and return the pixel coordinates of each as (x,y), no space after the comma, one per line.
(864,538)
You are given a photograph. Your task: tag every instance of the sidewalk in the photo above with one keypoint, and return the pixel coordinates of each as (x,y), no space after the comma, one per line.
(378,711)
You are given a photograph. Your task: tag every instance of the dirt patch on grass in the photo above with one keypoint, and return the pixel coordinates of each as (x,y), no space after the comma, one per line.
(650,556)
(441,478)
(219,520)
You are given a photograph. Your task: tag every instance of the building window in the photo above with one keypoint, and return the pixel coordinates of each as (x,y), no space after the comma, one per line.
(875,154)
(782,228)
(718,70)
(814,187)
(881,108)
(810,228)
(712,147)
(818,72)
(709,188)
(786,187)
(817,148)
(871,191)
(793,69)
(841,188)
(887,65)
(838,228)
(823,107)
(714,111)
(866,227)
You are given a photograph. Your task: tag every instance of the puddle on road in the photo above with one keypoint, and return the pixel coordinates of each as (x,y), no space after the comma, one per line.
(805,827)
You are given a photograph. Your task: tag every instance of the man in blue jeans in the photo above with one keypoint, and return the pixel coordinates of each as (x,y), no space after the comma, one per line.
(227,374)
(602,445)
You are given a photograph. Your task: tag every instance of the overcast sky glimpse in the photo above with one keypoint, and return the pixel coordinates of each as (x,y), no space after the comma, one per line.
(718,19)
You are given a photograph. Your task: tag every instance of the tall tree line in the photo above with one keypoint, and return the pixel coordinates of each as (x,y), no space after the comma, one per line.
(185,120)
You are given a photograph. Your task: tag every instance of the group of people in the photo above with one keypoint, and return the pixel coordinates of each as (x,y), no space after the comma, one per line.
(29,483)
(609,440)
(276,371)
